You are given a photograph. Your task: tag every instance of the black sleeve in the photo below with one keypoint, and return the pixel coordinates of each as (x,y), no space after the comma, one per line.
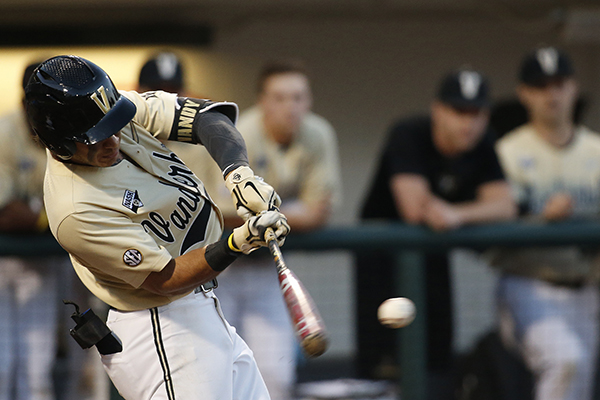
(211,125)
(222,140)
(406,148)
(490,170)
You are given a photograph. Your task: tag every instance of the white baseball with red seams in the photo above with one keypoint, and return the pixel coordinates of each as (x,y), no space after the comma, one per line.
(396,312)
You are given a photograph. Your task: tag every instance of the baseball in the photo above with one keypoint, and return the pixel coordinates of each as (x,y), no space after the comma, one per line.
(396,312)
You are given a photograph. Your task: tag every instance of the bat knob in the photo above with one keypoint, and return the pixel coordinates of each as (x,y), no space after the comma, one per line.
(315,344)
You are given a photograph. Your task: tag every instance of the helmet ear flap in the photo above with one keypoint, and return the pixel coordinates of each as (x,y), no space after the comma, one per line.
(64,150)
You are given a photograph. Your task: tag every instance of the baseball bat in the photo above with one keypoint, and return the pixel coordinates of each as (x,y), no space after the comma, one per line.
(308,324)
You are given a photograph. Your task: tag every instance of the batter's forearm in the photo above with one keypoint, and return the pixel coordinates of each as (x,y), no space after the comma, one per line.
(181,275)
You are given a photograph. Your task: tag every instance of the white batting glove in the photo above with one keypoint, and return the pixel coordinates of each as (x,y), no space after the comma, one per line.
(251,235)
(250,193)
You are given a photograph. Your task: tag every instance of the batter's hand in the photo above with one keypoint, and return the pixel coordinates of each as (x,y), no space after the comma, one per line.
(250,193)
(251,235)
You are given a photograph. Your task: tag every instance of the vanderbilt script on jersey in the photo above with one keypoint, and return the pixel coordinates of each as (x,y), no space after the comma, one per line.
(125,221)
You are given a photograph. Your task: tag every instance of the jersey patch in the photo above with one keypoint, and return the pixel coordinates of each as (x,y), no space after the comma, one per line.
(131,200)
(132,257)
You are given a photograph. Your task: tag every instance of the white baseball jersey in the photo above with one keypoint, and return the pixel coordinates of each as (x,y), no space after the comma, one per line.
(537,170)
(23,160)
(30,287)
(123,222)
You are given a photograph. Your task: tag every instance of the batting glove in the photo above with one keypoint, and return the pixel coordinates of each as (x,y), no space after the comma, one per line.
(251,235)
(250,193)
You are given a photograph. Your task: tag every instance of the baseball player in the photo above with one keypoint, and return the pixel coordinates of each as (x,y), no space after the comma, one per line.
(142,232)
(297,150)
(29,286)
(549,296)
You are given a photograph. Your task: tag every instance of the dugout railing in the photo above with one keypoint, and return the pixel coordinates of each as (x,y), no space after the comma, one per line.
(409,244)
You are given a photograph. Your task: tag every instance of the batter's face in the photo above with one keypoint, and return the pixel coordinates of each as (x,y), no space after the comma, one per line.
(102,154)
(551,103)
(285,100)
(457,130)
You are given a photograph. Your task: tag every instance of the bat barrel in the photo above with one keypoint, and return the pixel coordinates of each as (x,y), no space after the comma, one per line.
(315,344)
(307,322)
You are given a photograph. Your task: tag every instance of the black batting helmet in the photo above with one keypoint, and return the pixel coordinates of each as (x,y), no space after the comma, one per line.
(70,99)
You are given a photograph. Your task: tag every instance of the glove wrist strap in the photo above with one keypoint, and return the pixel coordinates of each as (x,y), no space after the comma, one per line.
(238,175)
(220,255)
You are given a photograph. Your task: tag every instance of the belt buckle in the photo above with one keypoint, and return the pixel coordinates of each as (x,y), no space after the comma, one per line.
(208,286)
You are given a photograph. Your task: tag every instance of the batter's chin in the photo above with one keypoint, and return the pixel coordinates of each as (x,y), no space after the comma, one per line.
(110,159)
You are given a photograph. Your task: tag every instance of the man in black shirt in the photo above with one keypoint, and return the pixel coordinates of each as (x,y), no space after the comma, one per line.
(440,171)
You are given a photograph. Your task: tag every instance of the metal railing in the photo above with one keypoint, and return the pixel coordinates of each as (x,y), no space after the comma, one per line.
(409,243)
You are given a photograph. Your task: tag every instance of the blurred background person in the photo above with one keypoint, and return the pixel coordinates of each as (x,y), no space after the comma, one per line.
(296,151)
(441,171)
(548,297)
(162,71)
(165,71)
(29,290)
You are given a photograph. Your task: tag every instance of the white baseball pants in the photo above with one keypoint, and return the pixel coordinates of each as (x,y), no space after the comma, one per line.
(252,302)
(185,350)
(556,328)
(28,319)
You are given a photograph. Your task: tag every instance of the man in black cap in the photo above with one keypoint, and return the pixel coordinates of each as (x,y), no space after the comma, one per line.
(549,297)
(440,171)
(164,71)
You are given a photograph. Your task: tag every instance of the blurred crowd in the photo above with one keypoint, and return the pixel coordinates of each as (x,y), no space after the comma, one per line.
(466,161)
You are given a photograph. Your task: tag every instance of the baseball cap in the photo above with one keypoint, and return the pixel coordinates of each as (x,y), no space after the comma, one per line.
(162,72)
(464,88)
(544,64)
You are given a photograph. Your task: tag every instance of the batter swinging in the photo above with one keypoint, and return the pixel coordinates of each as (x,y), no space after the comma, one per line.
(141,230)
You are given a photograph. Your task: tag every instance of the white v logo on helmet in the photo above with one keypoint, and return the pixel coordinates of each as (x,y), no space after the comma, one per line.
(101,99)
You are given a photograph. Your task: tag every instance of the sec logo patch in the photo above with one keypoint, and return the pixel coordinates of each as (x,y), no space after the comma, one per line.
(132,257)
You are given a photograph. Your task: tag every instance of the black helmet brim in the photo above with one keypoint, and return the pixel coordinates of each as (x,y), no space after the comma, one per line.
(115,119)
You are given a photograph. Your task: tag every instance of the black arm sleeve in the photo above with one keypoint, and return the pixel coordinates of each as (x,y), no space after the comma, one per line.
(210,124)
(216,132)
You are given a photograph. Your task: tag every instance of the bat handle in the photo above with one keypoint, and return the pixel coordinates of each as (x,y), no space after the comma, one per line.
(271,240)
(270,235)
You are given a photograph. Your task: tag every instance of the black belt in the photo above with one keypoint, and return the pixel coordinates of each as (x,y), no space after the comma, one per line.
(205,288)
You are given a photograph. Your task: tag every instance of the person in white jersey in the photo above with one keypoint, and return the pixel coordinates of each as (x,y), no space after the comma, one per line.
(29,286)
(548,297)
(142,232)
(296,151)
